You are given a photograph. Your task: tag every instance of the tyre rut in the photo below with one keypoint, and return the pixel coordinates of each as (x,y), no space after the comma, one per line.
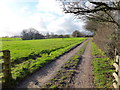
(84,77)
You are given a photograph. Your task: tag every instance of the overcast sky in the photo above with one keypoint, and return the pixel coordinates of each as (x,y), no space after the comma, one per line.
(43,15)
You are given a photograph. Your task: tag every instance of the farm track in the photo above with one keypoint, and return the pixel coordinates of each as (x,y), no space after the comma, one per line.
(84,77)
(40,77)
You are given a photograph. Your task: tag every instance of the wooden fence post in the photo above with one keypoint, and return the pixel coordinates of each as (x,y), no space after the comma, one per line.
(119,72)
(116,74)
(6,67)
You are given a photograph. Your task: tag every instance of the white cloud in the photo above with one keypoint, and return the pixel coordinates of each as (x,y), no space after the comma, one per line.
(64,25)
(49,6)
(23,10)
(47,18)
(10,22)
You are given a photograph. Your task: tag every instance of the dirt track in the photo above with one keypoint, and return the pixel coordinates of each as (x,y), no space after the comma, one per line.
(49,71)
(84,77)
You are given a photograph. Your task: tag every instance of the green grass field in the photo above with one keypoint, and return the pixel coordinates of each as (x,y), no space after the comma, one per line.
(10,39)
(29,55)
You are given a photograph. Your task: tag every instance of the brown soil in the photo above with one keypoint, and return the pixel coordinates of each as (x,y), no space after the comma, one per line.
(84,77)
(39,78)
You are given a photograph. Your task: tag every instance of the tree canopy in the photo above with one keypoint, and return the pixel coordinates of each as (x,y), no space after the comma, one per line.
(99,11)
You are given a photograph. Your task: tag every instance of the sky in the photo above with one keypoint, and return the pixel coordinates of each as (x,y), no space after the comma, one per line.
(46,16)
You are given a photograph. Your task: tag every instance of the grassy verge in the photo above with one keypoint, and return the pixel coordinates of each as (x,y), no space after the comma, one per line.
(64,76)
(102,68)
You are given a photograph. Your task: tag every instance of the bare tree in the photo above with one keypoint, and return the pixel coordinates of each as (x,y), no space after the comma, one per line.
(31,33)
(92,9)
(76,33)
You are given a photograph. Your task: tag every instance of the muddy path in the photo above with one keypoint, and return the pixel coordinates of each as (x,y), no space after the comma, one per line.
(40,77)
(84,77)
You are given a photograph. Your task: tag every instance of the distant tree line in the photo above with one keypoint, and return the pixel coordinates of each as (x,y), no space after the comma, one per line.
(31,33)
(52,35)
